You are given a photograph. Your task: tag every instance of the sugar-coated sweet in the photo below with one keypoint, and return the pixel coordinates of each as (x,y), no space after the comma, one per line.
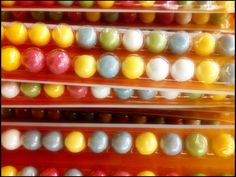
(121,173)
(53,141)
(10,58)
(109,39)
(165,18)
(8,3)
(182,69)
(10,139)
(108,66)
(93,16)
(193,95)
(54,90)
(85,66)
(73,172)
(218,97)
(58,61)
(110,17)
(170,95)
(86,37)
(147,17)
(33,59)
(179,43)
(132,40)
(147,94)
(8,170)
(49,172)
(183,18)
(200,18)
(77,91)
(74,16)
(146,3)
(86,4)
(226,45)
(98,142)
(227,73)
(31,140)
(133,66)
(128,17)
(146,173)
(38,15)
(123,93)
(221,19)
(28,171)
(20,16)
(105,4)
(65,3)
(171,144)
(122,142)
(10,89)
(56,16)
(100,92)
(156,41)
(30,89)
(75,142)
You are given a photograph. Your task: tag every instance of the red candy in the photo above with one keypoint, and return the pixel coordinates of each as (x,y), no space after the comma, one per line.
(167,4)
(128,17)
(98,173)
(47,3)
(20,15)
(74,16)
(77,91)
(122,173)
(127,3)
(33,59)
(49,172)
(25,3)
(165,18)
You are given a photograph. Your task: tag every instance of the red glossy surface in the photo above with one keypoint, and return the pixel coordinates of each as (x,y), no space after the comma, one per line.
(165,18)
(98,173)
(20,16)
(74,16)
(25,3)
(77,91)
(49,172)
(128,17)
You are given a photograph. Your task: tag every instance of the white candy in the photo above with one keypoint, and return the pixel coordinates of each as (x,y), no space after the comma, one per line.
(182,70)
(157,69)
(170,95)
(101,92)
(10,139)
(10,89)
(132,40)
(65,3)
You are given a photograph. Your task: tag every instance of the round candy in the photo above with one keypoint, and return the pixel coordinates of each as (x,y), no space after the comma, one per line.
(108,66)
(53,141)
(122,173)
(28,171)
(132,40)
(218,97)
(170,95)
(56,16)
(54,114)
(97,173)
(146,143)
(58,62)
(171,144)
(128,17)
(31,140)
(86,37)
(133,66)
(208,71)
(221,20)
(49,172)
(54,90)
(110,17)
(86,4)
(146,173)
(105,118)
(105,4)
(16,33)
(193,95)
(182,69)
(123,93)
(73,172)
(74,16)
(25,3)
(156,41)
(147,3)
(196,144)
(179,43)
(85,66)
(227,73)
(93,16)
(38,113)
(10,58)
(2,32)
(147,94)
(8,170)
(33,59)
(101,92)
(223,145)
(38,15)
(75,142)
(226,45)
(30,89)
(47,3)
(147,17)
(98,142)
(200,19)
(186,4)
(65,3)
(63,36)
(183,18)
(165,18)
(20,16)
(77,91)
(10,89)
(140,119)
(8,3)
(122,142)
(204,44)
(109,39)
(10,139)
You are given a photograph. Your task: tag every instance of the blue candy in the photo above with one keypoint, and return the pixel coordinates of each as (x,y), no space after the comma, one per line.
(227,73)
(124,93)
(226,45)
(147,94)
(179,43)
(86,37)
(122,142)
(98,142)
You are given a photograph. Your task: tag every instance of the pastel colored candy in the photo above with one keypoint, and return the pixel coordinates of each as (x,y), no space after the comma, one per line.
(86,4)
(156,41)
(108,66)
(49,172)
(221,19)
(28,171)
(54,90)
(171,144)
(85,66)
(31,140)
(122,142)
(147,94)
(183,18)
(30,89)
(170,95)
(65,3)
(77,91)
(110,17)
(122,173)
(10,139)
(101,92)
(9,89)
(8,170)
(124,93)
(53,141)
(227,73)
(132,40)
(147,4)
(73,172)
(86,37)
(98,142)
(226,45)
(179,43)
(109,39)
(75,142)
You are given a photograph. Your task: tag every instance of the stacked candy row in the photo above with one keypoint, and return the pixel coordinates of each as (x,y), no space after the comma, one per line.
(32,90)
(171,144)
(203,44)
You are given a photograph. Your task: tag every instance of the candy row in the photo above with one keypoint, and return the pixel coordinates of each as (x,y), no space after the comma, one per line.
(32,90)
(171,144)
(109,65)
(109,39)
(32,171)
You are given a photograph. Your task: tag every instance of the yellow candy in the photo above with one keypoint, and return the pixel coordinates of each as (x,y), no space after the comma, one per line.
(16,33)
(63,36)
(200,19)
(92,16)
(75,142)
(39,34)
(147,17)
(223,145)
(146,173)
(2,32)
(208,71)
(133,66)
(8,171)
(7,3)
(10,58)
(105,4)
(85,66)
(228,5)
(147,3)
(54,90)
(146,143)
(218,97)
(204,44)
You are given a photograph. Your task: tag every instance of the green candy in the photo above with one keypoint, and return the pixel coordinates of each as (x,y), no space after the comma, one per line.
(156,41)
(196,144)
(219,19)
(193,95)
(30,89)
(109,39)
(186,4)
(199,174)
(86,4)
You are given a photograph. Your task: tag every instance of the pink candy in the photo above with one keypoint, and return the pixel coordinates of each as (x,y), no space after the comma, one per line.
(77,91)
